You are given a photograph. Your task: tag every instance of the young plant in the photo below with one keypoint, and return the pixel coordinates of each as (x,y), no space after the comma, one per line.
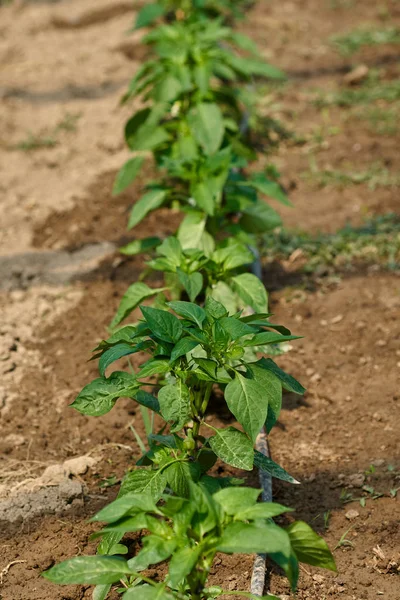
(187,533)
(201,351)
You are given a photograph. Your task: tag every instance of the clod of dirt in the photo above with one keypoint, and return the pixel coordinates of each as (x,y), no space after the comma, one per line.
(356,75)
(52,492)
(43,501)
(357,480)
(352,514)
(85,18)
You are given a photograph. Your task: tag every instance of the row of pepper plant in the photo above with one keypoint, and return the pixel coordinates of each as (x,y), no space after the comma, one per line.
(202,337)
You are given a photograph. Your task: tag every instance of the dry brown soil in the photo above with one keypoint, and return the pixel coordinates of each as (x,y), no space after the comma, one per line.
(61,278)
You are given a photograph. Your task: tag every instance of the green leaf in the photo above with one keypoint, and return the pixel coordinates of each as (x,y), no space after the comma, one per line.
(154,367)
(163,324)
(171,249)
(233,447)
(182,563)
(236,500)
(151,481)
(98,570)
(248,402)
(133,296)
(190,311)
(139,246)
(223,293)
(148,14)
(309,547)
(155,550)
(207,125)
(288,382)
(193,283)
(127,174)
(248,538)
(215,309)
(184,346)
(269,337)
(191,230)
(272,387)
(261,510)
(101,592)
(204,197)
(129,504)
(175,404)
(269,188)
(251,290)
(113,354)
(269,466)
(259,218)
(147,400)
(142,132)
(179,474)
(150,201)
(148,592)
(235,328)
(290,566)
(98,397)
(108,540)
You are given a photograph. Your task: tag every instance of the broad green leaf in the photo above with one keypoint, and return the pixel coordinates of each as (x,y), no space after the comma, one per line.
(309,547)
(175,404)
(261,510)
(223,293)
(129,504)
(236,328)
(179,474)
(204,197)
(189,310)
(182,563)
(233,447)
(171,249)
(269,466)
(154,367)
(184,346)
(101,592)
(207,125)
(269,188)
(142,131)
(163,324)
(98,570)
(193,283)
(248,402)
(133,296)
(127,174)
(290,566)
(113,354)
(147,400)
(272,387)
(155,550)
(168,89)
(236,500)
(108,540)
(150,201)
(288,382)
(259,218)
(139,246)
(148,592)
(151,481)
(251,290)
(148,14)
(215,309)
(269,337)
(98,397)
(247,538)
(191,230)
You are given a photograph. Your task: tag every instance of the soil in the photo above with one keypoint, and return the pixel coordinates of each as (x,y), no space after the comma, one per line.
(64,68)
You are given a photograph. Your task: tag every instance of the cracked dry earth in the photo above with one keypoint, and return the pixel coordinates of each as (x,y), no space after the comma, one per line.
(64,67)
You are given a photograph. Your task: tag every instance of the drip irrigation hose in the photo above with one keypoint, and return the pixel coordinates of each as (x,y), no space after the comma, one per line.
(259,574)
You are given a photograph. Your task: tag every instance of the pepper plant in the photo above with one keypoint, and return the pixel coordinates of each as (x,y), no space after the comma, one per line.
(190,355)
(187,532)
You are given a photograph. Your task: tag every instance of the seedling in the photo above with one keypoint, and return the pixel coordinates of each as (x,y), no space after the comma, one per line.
(353,41)
(187,533)
(344,542)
